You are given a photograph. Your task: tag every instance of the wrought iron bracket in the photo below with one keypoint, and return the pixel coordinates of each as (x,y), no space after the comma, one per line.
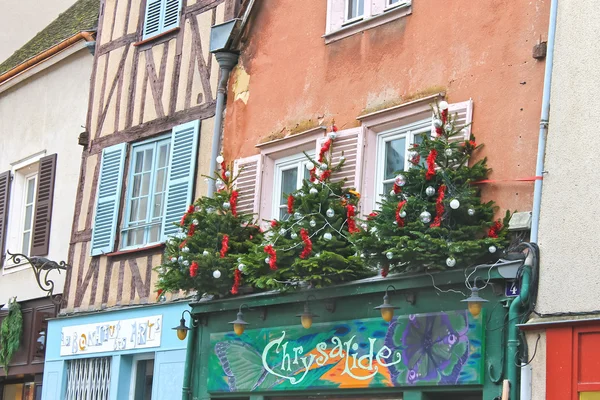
(41,268)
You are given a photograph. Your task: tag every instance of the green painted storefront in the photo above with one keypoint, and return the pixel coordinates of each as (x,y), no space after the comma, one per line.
(432,349)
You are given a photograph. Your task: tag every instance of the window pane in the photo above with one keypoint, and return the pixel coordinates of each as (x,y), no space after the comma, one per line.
(289,180)
(356,8)
(143,209)
(154,233)
(30,190)
(306,172)
(394,157)
(28,216)
(159,185)
(393,1)
(139,161)
(135,237)
(25,248)
(387,187)
(163,155)
(158,205)
(145,184)
(148,160)
(135,206)
(135,191)
(418,139)
(283,214)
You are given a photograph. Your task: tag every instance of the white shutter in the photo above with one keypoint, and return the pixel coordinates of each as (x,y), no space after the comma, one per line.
(180,180)
(108,199)
(247,171)
(349,144)
(153,18)
(170,14)
(335,14)
(377,6)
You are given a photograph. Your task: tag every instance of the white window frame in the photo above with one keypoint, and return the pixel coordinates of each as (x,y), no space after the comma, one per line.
(348,21)
(16,209)
(127,217)
(24,204)
(389,5)
(407,131)
(296,161)
(134,366)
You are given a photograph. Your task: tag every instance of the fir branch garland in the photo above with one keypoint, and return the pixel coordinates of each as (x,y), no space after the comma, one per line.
(10,334)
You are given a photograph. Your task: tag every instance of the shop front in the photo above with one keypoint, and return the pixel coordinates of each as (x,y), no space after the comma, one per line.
(125,354)
(337,343)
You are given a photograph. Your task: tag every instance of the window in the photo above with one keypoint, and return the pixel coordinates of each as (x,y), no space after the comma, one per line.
(142,377)
(393,153)
(348,17)
(161,16)
(160,185)
(289,173)
(146,196)
(88,378)
(354,9)
(27,221)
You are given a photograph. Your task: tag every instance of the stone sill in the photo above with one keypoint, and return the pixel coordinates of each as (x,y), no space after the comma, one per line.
(389,15)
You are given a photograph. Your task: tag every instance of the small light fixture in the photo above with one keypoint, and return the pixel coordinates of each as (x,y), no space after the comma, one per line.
(306,318)
(387,310)
(182,329)
(474,302)
(239,325)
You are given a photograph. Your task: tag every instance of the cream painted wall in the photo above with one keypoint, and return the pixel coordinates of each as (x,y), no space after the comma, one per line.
(569,220)
(37,13)
(46,112)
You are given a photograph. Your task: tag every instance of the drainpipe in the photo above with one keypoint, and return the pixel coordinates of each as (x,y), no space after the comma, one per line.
(514,312)
(227,60)
(189,356)
(539,166)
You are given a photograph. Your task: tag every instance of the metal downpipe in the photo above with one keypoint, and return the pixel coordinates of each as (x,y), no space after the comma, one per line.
(514,313)
(186,390)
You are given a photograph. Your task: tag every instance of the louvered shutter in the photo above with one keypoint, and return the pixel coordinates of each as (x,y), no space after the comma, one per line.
(349,144)
(108,199)
(153,18)
(180,180)
(4,197)
(170,14)
(464,116)
(247,171)
(43,206)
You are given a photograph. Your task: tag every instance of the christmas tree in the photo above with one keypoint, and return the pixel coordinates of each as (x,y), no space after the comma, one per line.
(313,243)
(213,235)
(433,216)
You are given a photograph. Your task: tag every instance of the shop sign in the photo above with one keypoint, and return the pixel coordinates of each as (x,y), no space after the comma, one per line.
(127,334)
(420,349)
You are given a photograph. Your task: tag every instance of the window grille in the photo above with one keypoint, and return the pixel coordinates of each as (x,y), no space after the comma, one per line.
(88,379)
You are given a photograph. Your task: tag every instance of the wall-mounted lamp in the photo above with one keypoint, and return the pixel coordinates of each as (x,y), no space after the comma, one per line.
(239,325)
(474,302)
(387,310)
(306,318)
(182,329)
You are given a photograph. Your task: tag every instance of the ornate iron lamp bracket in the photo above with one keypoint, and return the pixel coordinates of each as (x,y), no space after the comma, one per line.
(41,268)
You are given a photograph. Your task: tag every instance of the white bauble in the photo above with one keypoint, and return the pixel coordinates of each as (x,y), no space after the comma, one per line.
(313,191)
(185,249)
(448,128)
(451,262)
(282,232)
(227,174)
(454,204)
(173,259)
(205,253)
(402,214)
(226,205)
(310,165)
(437,123)
(332,135)
(216,274)
(448,152)
(180,259)
(330,213)
(342,158)
(492,249)
(195,222)
(392,193)
(389,255)
(220,159)
(430,191)
(186,263)
(294,235)
(267,260)
(312,223)
(443,105)
(425,217)
(323,167)
(241,267)
(327,236)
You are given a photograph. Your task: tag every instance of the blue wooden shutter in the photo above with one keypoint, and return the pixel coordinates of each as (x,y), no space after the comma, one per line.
(180,181)
(153,18)
(170,14)
(108,199)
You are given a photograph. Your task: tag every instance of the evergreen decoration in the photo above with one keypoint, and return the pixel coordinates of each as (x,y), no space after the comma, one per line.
(313,244)
(433,216)
(204,256)
(10,334)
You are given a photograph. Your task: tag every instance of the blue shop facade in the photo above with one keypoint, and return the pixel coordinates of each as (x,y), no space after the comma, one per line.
(130,353)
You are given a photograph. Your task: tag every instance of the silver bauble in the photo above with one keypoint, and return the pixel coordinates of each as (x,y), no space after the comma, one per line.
(313,191)
(448,128)
(492,249)
(327,236)
(173,259)
(389,255)
(226,205)
(402,214)
(186,263)
(227,174)
(437,123)
(400,180)
(425,217)
(241,267)
(195,222)
(294,235)
(448,152)
(332,135)
(312,223)
(220,184)
(451,262)
(282,232)
(430,191)
(330,213)
(471,211)
(323,167)
(297,215)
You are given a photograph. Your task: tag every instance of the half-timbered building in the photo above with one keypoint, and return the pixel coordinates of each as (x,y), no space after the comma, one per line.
(149,131)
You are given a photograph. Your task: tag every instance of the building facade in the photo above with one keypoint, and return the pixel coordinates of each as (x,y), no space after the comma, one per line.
(373,68)
(565,331)
(149,124)
(44,88)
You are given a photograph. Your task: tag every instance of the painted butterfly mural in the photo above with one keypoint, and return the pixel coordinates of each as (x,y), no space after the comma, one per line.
(420,349)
